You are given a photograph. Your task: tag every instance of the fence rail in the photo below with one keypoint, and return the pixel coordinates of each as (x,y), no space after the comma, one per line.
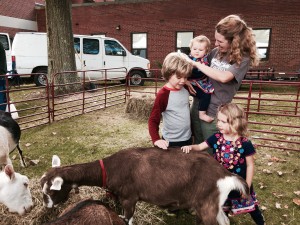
(272,107)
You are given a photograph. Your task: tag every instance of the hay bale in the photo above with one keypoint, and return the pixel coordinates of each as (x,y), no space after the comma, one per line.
(140,108)
(145,214)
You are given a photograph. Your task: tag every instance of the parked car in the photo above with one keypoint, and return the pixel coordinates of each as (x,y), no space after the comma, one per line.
(29,50)
(6,42)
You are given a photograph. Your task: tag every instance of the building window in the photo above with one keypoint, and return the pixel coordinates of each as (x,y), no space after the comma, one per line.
(262,38)
(183,40)
(139,44)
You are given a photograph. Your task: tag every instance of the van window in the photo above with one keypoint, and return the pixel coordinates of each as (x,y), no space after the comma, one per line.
(77,45)
(113,48)
(4,41)
(90,46)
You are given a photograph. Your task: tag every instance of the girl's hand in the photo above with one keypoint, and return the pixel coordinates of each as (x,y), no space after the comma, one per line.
(186,149)
(163,144)
(190,87)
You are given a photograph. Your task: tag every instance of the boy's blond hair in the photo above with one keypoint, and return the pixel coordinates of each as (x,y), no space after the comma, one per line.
(236,118)
(201,39)
(176,63)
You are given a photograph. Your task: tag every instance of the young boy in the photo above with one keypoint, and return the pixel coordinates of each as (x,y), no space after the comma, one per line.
(172,104)
(199,48)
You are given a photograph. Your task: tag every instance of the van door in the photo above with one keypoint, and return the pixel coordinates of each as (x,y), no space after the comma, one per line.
(91,57)
(4,39)
(115,57)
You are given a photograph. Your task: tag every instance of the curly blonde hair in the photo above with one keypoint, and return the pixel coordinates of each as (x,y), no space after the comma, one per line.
(241,38)
(236,118)
(176,63)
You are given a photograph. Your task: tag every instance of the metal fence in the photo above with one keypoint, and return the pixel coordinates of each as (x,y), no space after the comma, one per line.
(89,95)
(272,107)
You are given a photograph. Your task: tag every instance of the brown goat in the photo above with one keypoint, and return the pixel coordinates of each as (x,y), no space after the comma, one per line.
(169,179)
(88,212)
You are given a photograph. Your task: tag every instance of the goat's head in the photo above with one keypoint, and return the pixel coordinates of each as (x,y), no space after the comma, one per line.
(54,189)
(14,191)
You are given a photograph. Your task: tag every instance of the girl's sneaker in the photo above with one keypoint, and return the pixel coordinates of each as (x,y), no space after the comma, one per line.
(242,206)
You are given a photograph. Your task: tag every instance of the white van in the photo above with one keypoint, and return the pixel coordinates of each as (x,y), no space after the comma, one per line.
(6,42)
(29,49)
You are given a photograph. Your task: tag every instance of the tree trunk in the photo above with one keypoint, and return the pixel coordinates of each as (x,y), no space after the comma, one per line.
(61,55)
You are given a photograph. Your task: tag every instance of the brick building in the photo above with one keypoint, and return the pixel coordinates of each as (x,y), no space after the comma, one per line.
(17,16)
(166,25)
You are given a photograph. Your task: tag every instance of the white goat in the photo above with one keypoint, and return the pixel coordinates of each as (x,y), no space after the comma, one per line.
(5,146)
(10,134)
(14,191)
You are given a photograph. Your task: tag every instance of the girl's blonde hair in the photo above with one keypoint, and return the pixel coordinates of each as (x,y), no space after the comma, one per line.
(241,38)
(236,118)
(176,63)
(201,39)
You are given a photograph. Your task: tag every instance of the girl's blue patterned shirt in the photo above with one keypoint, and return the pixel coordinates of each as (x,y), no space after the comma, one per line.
(231,155)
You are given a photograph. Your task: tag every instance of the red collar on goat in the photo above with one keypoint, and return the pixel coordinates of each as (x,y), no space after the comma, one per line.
(103,173)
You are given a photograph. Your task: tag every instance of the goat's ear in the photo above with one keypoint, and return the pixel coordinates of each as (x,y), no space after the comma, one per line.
(55,161)
(9,171)
(57,183)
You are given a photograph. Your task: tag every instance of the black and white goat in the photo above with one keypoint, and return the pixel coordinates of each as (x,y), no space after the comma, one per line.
(88,212)
(14,191)
(169,179)
(10,134)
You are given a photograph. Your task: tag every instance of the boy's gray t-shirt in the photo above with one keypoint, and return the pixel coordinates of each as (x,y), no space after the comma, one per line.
(172,105)
(176,117)
(224,92)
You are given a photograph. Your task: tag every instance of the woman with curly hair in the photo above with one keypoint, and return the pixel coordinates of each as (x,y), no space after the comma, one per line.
(234,52)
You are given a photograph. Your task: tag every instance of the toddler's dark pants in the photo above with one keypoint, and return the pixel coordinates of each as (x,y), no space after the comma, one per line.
(204,98)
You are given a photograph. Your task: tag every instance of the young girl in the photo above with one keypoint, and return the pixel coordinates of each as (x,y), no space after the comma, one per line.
(199,47)
(235,152)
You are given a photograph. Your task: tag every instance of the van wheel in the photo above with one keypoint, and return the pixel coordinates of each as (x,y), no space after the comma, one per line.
(40,79)
(136,78)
